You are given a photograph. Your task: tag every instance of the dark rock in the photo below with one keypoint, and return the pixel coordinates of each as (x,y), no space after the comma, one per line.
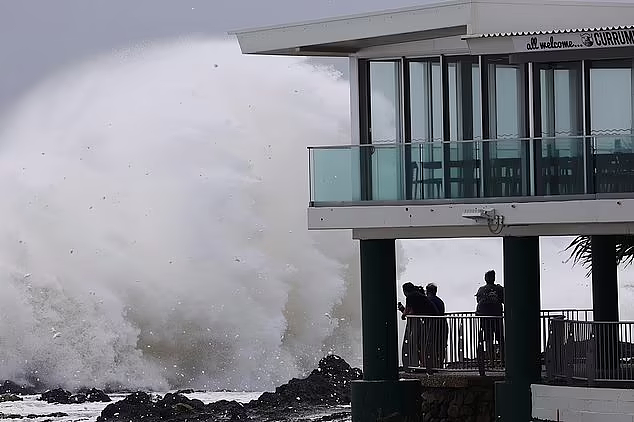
(132,407)
(57,396)
(77,398)
(14,388)
(10,397)
(186,391)
(93,395)
(228,411)
(60,396)
(140,406)
(328,385)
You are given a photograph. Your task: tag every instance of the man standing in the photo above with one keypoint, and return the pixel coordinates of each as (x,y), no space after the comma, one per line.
(432,291)
(439,330)
(490,300)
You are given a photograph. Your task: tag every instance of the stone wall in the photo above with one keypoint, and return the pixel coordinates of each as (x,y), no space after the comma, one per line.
(468,404)
(457,398)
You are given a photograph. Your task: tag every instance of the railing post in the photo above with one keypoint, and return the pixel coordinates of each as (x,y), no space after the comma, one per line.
(591,355)
(569,355)
(461,340)
(552,348)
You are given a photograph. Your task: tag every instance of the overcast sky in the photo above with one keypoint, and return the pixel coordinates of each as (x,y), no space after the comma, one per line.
(39,36)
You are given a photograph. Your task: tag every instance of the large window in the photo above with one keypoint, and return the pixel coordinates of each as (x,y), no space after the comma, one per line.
(610,124)
(462,155)
(559,154)
(463,127)
(386,128)
(506,157)
(426,129)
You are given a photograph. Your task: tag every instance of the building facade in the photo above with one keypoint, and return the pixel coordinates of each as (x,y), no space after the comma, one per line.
(474,118)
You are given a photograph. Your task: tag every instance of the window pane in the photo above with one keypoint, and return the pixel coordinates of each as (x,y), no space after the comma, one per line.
(508,108)
(611,101)
(507,165)
(426,126)
(425,101)
(384,102)
(475,86)
(464,158)
(561,166)
(611,122)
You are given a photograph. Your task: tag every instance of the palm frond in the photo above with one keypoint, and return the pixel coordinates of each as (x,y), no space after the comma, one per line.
(581,253)
(580,250)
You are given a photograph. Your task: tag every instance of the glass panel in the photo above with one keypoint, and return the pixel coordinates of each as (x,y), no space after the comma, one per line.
(428,175)
(475,86)
(506,168)
(507,100)
(561,164)
(335,174)
(561,100)
(611,101)
(387,173)
(507,161)
(614,163)
(384,102)
(427,170)
(611,114)
(426,126)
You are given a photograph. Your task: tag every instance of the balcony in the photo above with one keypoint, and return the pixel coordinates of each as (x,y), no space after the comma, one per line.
(480,171)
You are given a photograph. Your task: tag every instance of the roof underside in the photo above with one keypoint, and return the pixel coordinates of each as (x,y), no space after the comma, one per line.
(467,18)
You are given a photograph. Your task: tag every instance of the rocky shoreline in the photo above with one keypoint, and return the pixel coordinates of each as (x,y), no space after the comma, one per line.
(322,396)
(326,387)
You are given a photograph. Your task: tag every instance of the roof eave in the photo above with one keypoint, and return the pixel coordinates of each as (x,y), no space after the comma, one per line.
(334,37)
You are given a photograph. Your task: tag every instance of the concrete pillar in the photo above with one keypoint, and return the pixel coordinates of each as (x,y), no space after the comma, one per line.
(522,328)
(605,285)
(381,394)
(605,305)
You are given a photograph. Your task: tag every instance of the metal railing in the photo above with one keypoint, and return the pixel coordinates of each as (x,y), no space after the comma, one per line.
(454,343)
(590,352)
(491,168)
(463,341)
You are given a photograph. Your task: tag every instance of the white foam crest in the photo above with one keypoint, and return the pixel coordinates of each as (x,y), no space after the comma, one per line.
(157,203)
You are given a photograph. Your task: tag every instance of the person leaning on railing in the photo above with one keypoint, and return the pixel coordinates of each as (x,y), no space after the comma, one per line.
(490,301)
(416,331)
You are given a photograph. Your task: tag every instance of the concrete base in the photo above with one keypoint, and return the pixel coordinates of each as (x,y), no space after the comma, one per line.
(385,400)
(579,404)
(512,402)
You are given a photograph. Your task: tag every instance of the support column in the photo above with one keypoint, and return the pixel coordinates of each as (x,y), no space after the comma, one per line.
(605,306)
(381,394)
(605,285)
(522,328)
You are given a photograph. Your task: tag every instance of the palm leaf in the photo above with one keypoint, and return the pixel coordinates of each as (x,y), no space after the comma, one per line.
(580,250)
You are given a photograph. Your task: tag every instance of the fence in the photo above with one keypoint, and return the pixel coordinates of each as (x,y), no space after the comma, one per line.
(590,352)
(462,341)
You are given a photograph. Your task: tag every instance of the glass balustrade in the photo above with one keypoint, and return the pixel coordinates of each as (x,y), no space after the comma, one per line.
(462,170)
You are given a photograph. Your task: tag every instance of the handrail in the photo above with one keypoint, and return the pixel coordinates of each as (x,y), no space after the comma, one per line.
(413,142)
(590,352)
(464,341)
